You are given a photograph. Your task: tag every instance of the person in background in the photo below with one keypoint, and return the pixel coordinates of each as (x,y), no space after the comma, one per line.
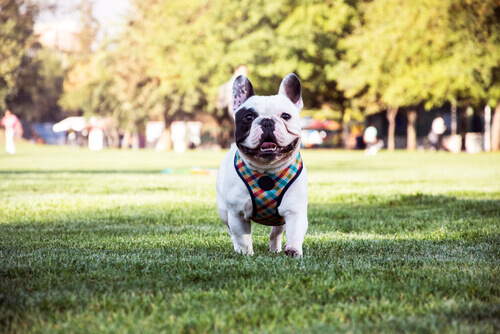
(436,134)
(370,140)
(12,127)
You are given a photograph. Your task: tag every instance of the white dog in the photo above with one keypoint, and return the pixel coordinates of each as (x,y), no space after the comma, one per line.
(262,177)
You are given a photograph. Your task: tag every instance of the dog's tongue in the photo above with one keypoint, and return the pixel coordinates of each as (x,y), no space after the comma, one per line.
(268,145)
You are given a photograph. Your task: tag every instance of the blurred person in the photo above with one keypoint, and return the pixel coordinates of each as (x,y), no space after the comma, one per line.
(12,127)
(96,134)
(370,140)
(435,136)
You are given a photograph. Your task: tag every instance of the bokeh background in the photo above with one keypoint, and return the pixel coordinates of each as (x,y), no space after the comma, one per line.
(134,68)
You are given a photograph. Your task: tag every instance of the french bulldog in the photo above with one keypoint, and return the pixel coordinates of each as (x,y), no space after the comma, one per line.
(262,177)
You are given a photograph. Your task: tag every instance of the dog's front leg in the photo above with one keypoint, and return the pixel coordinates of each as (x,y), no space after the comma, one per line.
(275,238)
(241,234)
(296,228)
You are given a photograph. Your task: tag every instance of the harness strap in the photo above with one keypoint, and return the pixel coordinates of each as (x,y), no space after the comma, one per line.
(267,189)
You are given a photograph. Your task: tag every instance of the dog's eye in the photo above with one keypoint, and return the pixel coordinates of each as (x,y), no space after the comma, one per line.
(286,116)
(249,117)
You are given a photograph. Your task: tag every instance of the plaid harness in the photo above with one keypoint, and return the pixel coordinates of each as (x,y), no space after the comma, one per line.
(267,190)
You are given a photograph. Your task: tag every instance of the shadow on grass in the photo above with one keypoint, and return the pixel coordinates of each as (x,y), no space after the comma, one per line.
(193,269)
(406,214)
(87,171)
(404,248)
(401,215)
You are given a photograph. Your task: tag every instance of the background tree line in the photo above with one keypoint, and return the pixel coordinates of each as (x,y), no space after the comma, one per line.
(352,57)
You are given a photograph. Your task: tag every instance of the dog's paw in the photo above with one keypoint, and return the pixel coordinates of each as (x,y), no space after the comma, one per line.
(292,252)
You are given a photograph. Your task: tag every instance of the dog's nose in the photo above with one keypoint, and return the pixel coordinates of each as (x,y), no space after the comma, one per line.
(267,123)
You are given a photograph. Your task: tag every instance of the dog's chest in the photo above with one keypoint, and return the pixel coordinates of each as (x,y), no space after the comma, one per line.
(266,190)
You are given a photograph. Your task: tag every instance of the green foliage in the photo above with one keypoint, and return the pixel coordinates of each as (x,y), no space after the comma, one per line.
(87,87)
(89,27)
(114,82)
(173,56)
(412,52)
(136,89)
(104,242)
(39,85)
(469,65)
(352,56)
(16,27)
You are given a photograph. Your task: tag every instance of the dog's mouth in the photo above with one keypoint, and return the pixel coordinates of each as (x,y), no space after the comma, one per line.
(269,149)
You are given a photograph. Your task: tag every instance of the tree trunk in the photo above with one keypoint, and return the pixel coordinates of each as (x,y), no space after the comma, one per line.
(346,129)
(495,130)
(226,129)
(165,141)
(391,118)
(453,118)
(113,136)
(224,137)
(126,139)
(462,114)
(411,132)
(166,137)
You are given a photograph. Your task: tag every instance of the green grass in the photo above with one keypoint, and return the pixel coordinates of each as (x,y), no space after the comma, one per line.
(105,242)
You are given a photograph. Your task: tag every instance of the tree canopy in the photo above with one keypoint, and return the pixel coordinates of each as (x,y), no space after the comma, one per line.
(171,57)
(423,51)
(186,50)
(16,29)
(39,85)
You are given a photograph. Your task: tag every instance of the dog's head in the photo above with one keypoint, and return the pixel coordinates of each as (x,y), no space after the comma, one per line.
(267,127)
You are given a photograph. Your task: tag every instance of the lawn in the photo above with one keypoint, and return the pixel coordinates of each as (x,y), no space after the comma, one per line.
(130,241)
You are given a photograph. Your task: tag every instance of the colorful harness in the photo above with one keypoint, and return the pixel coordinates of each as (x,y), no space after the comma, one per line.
(267,190)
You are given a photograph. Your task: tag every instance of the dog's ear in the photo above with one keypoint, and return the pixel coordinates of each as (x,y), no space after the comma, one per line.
(242,90)
(291,88)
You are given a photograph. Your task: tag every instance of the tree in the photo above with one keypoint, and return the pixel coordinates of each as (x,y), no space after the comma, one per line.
(403,54)
(88,87)
(39,86)
(136,89)
(89,27)
(194,47)
(113,82)
(377,68)
(16,27)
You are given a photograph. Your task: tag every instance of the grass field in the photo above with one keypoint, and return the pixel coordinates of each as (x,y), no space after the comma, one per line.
(105,242)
